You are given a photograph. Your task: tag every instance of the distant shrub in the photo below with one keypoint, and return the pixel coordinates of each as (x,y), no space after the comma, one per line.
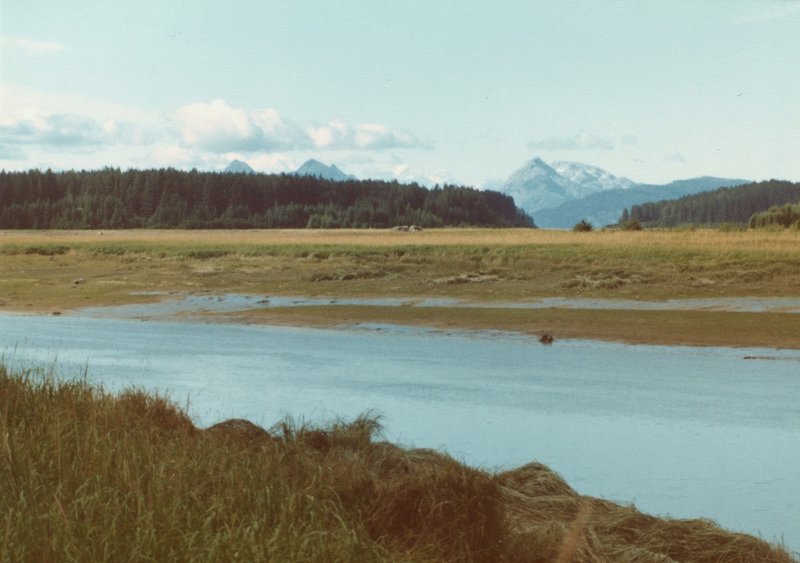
(782,215)
(207,254)
(630,225)
(583,226)
(47,250)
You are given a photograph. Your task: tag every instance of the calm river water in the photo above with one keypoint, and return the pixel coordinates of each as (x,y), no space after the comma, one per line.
(679,431)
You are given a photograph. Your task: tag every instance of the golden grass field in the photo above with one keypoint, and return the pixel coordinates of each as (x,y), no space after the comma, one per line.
(706,239)
(56,271)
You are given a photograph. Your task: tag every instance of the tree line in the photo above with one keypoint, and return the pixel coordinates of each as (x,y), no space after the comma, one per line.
(167,198)
(724,205)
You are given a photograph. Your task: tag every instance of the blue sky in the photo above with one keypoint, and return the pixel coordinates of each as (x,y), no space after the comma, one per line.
(417,90)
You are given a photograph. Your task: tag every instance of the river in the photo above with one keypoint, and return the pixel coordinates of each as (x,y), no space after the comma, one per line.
(678,431)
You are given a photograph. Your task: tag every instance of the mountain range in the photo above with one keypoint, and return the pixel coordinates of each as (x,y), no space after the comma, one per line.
(560,194)
(309,168)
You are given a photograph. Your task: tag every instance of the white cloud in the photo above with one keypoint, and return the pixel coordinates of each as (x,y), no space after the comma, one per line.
(32,121)
(338,135)
(216,126)
(31,46)
(582,140)
(219,127)
(66,131)
(63,130)
(202,134)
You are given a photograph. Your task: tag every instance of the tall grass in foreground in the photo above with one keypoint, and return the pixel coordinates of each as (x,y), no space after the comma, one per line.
(87,476)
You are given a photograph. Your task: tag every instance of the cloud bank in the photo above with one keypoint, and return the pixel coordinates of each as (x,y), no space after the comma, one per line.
(338,135)
(217,126)
(52,130)
(198,134)
(68,132)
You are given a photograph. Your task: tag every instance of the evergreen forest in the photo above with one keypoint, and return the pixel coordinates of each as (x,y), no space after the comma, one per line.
(724,205)
(169,198)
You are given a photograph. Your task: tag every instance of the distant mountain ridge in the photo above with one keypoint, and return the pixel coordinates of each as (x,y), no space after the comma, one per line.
(561,194)
(606,207)
(319,170)
(723,205)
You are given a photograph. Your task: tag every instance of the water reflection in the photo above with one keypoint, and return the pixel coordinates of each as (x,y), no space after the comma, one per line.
(187,305)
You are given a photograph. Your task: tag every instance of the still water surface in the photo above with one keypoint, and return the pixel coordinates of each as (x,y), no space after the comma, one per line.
(680,431)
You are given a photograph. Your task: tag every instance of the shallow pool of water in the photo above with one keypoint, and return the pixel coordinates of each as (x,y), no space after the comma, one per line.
(680,431)
(180,304)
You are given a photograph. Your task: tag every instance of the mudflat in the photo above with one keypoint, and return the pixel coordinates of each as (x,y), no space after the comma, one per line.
(58,271)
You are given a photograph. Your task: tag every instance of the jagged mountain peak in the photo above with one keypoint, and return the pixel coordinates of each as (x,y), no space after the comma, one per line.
(537,185)
(317,169)
(536,165)
(239,167)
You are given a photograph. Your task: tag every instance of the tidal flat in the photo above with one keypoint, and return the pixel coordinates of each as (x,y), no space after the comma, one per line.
(57,271)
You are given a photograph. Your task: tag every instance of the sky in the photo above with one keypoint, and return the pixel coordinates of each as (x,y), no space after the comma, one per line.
(421,90)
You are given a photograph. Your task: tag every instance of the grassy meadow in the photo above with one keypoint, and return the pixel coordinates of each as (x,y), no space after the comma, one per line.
(55,271)
(87,476)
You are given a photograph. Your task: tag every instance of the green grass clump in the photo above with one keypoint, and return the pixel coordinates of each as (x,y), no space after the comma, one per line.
(39,249)
(89,476)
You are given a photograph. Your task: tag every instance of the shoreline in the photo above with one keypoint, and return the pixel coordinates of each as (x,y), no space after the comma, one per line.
(665,328)
(652,324)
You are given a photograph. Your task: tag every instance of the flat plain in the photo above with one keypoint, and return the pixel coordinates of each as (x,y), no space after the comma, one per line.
(58,271)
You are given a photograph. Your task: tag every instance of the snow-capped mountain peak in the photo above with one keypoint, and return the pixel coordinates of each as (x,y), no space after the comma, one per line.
(591,176)
(537,185)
